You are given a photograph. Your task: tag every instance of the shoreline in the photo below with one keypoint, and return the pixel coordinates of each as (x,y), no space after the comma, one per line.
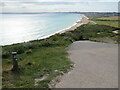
(84,20)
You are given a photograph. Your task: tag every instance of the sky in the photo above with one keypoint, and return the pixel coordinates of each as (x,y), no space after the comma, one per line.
(59,5)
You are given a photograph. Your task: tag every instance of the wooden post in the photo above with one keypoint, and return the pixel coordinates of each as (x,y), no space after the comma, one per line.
(15,63)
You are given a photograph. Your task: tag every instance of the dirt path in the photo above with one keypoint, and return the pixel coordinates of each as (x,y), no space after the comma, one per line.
(96,66)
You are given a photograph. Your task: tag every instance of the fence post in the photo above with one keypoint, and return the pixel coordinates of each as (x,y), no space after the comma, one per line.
(15,63)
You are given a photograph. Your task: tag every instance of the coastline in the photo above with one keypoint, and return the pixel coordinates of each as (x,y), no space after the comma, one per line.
(84,20)
(78,23)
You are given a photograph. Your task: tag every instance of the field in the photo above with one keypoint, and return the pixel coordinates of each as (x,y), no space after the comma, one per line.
(109,23)
(115,18)
(106,20)
(40,61)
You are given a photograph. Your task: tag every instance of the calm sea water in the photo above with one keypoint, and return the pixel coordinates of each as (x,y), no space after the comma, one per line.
(17,28)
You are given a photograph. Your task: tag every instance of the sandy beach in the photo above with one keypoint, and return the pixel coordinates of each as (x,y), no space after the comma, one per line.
(84,20)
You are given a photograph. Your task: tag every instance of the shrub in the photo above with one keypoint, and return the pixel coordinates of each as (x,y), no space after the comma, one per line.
(55,37)
(15,48)
(46,43)
(5,54)
(68,39)
(28,51)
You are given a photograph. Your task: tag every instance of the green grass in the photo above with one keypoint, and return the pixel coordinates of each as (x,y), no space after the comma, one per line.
(36,59)
(109,23)
(106,20)
(39,58)
(114,18)
(42,61)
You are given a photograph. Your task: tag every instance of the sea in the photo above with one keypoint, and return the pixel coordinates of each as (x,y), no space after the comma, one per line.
(18,28)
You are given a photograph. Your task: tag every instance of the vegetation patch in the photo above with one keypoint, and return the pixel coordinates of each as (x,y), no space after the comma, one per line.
(114,18)
(106,20)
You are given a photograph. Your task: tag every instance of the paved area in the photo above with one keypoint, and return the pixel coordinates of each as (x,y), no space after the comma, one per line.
(96,66)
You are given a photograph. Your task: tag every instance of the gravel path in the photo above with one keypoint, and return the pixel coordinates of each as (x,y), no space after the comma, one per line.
(96,66)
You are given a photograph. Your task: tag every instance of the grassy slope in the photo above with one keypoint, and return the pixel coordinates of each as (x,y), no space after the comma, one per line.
(111,21)
(48,57)
(36,59)
(43,61)
(100,33)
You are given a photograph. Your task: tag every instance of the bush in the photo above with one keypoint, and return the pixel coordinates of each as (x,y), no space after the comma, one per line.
(47,43)
(28,51)
(68,39)
(55,37)
(5,54)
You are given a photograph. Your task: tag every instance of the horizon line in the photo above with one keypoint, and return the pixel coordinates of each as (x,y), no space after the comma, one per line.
(65,12)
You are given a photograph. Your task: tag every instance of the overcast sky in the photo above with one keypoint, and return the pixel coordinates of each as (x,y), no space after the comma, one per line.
(58,5)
